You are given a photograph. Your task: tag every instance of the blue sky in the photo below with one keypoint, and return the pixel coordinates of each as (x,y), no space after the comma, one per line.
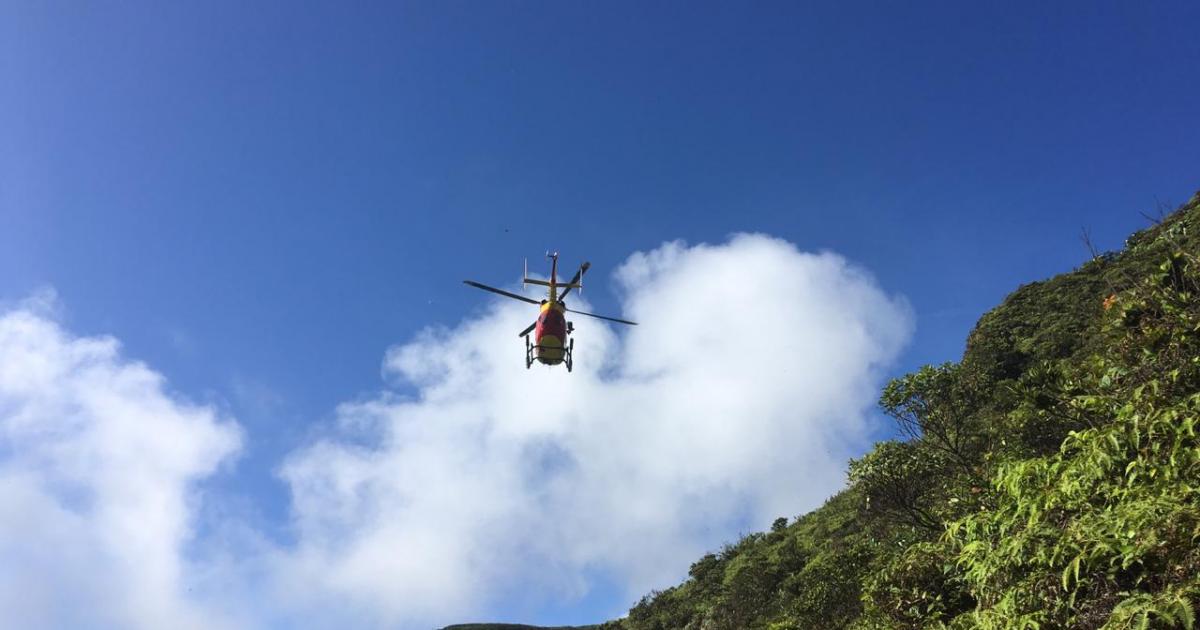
(259,201)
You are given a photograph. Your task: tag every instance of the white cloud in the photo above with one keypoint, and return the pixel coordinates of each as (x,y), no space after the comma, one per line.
(738,399)
(97,471)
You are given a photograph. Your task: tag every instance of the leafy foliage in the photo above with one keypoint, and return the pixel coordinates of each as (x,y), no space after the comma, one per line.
(1115,513)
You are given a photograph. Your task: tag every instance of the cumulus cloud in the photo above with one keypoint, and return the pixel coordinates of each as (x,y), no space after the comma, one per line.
(98,464)
(470,482)
(738,399)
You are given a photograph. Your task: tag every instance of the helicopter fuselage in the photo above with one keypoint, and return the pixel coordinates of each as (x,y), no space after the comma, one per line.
(550,334)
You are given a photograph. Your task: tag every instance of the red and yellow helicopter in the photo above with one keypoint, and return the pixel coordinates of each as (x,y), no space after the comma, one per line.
(551,344)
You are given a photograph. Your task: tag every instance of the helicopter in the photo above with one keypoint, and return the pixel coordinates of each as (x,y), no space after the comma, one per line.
(551,342)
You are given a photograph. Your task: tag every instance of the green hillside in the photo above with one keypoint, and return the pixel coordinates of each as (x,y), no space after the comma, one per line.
(1049,479)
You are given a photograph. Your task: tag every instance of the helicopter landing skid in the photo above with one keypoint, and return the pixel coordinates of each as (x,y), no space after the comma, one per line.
(568,354)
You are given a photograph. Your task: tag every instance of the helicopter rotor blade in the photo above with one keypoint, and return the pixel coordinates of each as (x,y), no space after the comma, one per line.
(499,292)
(528,330)
(611,319)
(578,274)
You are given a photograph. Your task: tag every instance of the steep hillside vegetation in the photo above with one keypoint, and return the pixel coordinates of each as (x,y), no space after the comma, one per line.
(1050,479)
